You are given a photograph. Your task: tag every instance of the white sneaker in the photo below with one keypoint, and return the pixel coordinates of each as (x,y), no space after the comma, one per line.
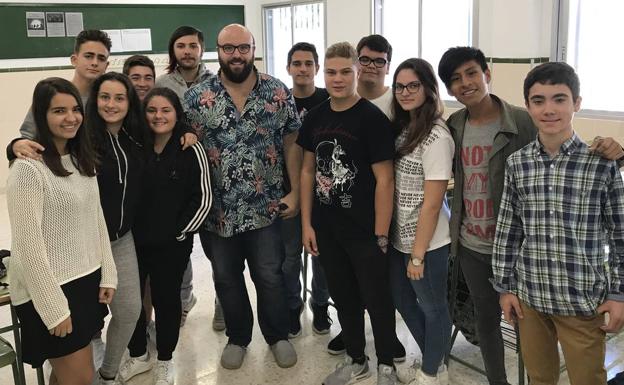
(164,372)
(134,366)
(99,380)
(408,374)
(423,379)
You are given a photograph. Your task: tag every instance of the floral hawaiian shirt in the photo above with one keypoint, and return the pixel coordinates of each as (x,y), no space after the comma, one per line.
(245,150)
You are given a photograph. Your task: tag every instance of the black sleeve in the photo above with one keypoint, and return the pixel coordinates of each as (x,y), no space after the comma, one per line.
(199,197)
(379,135)
(9,150)
(304,139)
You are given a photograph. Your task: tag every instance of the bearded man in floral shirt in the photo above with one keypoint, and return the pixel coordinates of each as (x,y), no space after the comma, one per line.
(248,124)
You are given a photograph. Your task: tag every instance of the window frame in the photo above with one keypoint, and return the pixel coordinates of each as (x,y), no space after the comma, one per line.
(377,24)
(290,4)
(559,52)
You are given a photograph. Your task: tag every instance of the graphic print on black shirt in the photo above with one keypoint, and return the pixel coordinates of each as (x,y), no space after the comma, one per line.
(304,105)
(346,144)
(334,175)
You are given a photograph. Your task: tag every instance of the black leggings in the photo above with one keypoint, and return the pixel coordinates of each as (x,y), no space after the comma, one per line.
(357,274)
(164,263)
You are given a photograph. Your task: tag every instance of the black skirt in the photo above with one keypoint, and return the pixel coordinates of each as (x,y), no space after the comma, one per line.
(87,316)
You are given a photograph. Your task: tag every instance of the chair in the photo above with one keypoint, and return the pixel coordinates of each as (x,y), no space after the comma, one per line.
(8,357)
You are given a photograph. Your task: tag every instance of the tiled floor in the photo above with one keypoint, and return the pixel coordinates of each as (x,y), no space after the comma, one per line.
(198,352)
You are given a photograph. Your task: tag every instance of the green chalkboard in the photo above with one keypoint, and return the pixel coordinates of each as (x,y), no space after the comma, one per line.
(161,19)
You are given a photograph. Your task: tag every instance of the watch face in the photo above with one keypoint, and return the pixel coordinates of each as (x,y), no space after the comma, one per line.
(416,262)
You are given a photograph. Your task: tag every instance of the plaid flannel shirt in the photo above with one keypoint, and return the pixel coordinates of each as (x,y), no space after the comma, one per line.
(556,219)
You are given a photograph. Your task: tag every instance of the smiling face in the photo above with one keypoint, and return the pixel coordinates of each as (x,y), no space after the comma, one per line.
(407,79)
(469,83)
(236,66)
(64,118)
(112,102)
(340,77)
(302,68)
(160,115)
(552,109)
(142,79)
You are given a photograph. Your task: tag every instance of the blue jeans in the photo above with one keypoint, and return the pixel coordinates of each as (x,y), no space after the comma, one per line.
(423,303)
(264,251)
(291,234)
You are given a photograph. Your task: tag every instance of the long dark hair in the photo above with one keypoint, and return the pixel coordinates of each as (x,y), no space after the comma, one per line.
(132,123)
(79,147)
(184,30)
(420,125)
(173,98)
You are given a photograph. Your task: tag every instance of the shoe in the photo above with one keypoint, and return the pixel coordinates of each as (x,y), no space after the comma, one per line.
(98,347)
(423,379)
(284,353)
(233,356)
(186,309)
(348,372)
(321,322)
(408,374)
(218,320)
(336,346)
(399,352)
(164,373)
(150,331)
(99,380)
(294,316)
(386,375)
(134,366)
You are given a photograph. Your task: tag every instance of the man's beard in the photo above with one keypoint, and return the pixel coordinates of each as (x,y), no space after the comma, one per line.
(236,77)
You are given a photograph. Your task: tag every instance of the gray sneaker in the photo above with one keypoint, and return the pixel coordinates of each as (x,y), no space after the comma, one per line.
(233,356)
(218,320)
(386,375)
(348,372)
(284,353)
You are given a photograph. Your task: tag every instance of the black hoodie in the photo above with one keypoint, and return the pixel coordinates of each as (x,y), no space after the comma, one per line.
(175,193)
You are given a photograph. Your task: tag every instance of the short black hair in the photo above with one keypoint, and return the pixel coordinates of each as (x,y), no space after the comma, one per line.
(455,57)
(553,73)
(303,46)
(376,43)
(184,30)
(138,60)
(92,35)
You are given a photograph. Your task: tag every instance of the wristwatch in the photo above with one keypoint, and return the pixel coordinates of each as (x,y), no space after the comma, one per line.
(417,262)
(382,241)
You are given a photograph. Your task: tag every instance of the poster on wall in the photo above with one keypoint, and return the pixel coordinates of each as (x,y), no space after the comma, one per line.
(55,24)
(35,24)
(73,23)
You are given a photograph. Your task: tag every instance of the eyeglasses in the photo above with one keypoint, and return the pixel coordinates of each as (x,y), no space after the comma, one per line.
(378,62)
(411,88)
(229,48)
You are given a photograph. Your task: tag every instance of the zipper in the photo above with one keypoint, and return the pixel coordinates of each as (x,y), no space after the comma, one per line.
(125,176)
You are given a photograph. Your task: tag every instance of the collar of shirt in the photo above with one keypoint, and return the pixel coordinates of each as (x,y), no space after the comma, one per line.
(568,147)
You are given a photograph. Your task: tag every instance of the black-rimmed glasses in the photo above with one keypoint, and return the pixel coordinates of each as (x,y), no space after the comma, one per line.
(378,62)
(230,48)
(411,88)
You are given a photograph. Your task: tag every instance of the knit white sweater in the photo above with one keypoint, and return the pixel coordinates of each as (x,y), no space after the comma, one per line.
(58,235)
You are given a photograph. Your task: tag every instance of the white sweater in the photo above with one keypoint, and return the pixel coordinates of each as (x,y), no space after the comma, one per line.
(58,235)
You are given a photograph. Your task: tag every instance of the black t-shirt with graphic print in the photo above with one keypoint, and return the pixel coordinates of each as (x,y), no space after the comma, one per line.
(346,144)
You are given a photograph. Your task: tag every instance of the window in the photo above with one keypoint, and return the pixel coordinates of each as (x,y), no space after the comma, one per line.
(582,38)
(290,24)
(424,28)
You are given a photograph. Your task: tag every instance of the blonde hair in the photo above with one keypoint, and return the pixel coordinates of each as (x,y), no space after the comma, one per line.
(343,50)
